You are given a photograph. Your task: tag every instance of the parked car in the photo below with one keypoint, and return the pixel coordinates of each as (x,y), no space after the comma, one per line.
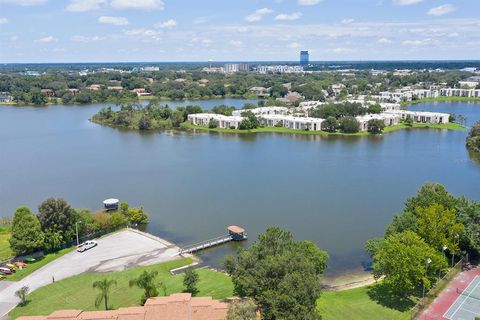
(30,259)
(86,245)
(5,270)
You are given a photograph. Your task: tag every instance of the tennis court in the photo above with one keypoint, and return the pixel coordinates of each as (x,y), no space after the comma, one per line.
(467,305)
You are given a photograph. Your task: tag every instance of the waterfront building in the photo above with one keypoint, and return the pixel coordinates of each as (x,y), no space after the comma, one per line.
(389,119)
(262,111)
(297,123)
(178,306)
(423,116)
(451,92)
(224,122)
(390,106)
(304,58)
(468,84)
(5,97)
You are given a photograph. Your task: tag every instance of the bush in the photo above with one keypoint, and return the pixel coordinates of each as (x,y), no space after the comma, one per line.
(330,124)
(212,124)
(349,125)
(190,281)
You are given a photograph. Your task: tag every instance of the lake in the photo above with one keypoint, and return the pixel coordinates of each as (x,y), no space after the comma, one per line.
(335,191)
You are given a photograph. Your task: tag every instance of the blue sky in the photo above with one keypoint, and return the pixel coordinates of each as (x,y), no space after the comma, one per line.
(229,30)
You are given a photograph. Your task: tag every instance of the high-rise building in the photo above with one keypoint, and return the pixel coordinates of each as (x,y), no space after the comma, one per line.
(304,59)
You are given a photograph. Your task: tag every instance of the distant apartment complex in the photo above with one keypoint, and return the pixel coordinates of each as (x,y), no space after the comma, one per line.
(228,68)
(279,69)
(304,58)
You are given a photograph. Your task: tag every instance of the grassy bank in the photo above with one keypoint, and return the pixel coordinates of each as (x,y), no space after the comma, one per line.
(447,126)
(77,292)
(356,304)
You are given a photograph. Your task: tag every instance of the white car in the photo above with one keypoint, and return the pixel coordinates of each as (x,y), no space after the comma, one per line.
(86,245)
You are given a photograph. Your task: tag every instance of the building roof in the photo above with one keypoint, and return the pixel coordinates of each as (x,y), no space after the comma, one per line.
(179,306)
(236,229)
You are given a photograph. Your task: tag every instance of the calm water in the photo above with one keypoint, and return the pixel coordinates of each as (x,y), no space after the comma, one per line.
(337,192)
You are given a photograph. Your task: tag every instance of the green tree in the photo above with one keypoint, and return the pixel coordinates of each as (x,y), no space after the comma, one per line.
(283,276)
(212,124)
(244,309)
(428,194)
(473,139)
(223,109)
(374,108)
(249,122)
(104,286)
(147,282)
(409,121)
(330,124)
(177,118)
(145,123)
(57,218)
(116,219)
(439,227)
(27,235)
(137,216)
(349,124)
(190,281)
(375,126)
(22,294)
(408,263)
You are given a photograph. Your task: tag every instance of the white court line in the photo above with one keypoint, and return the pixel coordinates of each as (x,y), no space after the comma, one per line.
(470,311)
(461,304)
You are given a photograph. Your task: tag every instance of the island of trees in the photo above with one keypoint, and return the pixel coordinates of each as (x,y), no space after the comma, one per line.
(473,139)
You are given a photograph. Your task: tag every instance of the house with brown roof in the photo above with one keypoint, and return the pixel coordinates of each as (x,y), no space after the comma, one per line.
(179,306)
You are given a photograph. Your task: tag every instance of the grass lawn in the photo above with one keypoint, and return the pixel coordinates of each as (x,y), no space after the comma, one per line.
(20,274)
(447,126)
(444,99)
(77,292)
(355,304)
(5,251)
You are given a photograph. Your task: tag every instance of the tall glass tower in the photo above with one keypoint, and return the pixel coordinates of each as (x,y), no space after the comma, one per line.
(304,60)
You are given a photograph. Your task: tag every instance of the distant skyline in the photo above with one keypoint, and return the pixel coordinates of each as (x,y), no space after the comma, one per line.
(36,31)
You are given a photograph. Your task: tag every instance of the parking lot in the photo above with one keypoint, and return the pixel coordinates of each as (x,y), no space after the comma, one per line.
(115,252)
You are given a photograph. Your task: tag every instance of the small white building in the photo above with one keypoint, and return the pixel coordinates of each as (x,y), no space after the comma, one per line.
(451,92)
(224,122)
(389,119)
(390,106)
(423,116)
(297,123)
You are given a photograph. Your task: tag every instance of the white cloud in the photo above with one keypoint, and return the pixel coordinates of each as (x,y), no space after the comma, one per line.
(85,39)
(341,50)
(347,21)
(294,45)
(384,41)
(116,21)
(258,15)
(3,20)
(441,10)
(144,34)
(85,5)
(48,39)
(308,2)
(292,16)
(138,4)
(242,29)
(420,43)
(200,20)
(406,2)
(166,24)
(235,43)
(24,3)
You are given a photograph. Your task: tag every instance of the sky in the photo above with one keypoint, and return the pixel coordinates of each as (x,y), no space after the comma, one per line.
(38,31)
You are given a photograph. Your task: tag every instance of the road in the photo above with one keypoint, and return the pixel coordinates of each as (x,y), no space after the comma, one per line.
(115,252)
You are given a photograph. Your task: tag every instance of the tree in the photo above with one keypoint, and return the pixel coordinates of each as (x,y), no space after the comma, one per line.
(428,194)
(177,118)
(408,263)
(283,276)
(22,295)
(409,121)
(223,109)
(145,123)
(249,122)
(330,124)
(439,227)
(104,286)
(212,124)
(27,235)
(146,281)
(349,124)
(375,126)
(137,216)
(375,108)
(242,310)
(57,219)
(473,139)
(190,281)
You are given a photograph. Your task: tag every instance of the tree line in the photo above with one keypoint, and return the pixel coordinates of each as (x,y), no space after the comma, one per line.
(56,224)
(434,230)
(473,139)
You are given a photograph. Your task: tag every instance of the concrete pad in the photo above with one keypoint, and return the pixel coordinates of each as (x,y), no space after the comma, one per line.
(115,252)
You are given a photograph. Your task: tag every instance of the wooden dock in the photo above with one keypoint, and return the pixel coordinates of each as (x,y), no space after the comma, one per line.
(235,234)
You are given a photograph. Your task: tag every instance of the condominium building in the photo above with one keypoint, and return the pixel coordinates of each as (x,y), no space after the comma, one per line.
(423,116)
(236,67)
(304,58)
(297,123)
(224,122)
(450,92)
(262,111)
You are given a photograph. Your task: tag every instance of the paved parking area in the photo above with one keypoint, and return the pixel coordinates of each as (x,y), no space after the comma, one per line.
(115,252)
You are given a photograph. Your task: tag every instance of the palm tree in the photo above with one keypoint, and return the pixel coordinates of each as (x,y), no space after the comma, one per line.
(104,286)
(146,281)
(22,295)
